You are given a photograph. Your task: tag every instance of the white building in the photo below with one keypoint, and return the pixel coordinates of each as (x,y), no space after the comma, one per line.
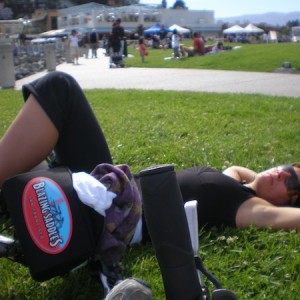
(92,15)
(296,34)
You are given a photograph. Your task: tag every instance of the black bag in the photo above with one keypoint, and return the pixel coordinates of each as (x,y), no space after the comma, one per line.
(57,232)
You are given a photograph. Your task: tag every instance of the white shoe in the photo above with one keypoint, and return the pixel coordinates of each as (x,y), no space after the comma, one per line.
(130,289)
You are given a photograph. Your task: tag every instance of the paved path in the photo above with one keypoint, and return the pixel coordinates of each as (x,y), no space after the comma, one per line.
(95,73)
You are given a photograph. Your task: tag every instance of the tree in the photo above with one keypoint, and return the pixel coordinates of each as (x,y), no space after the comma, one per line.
(179,4)
(164,4)
(293,23)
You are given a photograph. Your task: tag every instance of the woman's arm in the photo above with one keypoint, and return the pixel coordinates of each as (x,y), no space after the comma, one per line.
(240,173)
(261,213)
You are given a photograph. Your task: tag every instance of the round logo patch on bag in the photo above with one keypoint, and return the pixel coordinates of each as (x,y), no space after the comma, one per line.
(47,215)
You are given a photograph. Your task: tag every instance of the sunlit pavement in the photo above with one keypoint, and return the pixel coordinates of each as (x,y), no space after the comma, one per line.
(96,73)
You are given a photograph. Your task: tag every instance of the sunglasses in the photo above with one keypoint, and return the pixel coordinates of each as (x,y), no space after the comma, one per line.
(292,182)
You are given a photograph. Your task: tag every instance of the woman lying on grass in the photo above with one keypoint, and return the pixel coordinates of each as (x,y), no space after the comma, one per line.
(240,197)
(57,116)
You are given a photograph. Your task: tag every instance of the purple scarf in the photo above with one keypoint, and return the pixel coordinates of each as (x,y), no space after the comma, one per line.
(123,215)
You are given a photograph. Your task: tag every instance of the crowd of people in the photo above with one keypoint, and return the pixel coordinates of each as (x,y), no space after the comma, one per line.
(174,40)
(116,42)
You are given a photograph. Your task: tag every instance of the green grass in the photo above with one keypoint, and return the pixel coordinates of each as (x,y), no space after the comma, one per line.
(250,57)
(144,128)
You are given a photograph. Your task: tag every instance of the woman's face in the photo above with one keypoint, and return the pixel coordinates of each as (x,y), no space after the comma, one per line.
(272,186)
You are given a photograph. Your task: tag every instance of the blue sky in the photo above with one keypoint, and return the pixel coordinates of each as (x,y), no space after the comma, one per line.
(231,8)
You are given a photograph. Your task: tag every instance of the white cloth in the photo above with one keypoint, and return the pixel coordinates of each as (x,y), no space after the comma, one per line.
(74,40)
(175,41)
(138,234)
(92,192)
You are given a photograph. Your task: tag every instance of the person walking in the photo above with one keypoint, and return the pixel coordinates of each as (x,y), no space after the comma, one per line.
(74,46)
(93,40)
(143,49)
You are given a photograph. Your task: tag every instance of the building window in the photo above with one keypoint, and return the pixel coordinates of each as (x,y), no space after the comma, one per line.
(110,17)
(129,17)
(88,19)
(74,20)
(152,17)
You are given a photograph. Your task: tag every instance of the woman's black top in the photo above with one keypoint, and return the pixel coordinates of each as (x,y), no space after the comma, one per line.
(218,195)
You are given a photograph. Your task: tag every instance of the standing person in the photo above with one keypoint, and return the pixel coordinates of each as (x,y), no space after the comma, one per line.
(140,30)
(22,39)
(143,49)
(163,37)
(119,34)
(115,46)
(105,43)
(93,39)
(74,46)
(175,39)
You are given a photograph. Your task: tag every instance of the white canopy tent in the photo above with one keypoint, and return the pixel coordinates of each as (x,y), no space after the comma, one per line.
(179,29)
(234,30)
(54,33)
(253,29)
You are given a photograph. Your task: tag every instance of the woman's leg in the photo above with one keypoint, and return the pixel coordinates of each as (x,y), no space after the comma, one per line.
(56,115)
(81,145)
(25,144)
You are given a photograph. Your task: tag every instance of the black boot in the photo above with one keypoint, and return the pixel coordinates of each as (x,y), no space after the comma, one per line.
(168,229)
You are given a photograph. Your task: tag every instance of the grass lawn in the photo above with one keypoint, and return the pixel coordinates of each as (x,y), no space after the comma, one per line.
(250,57)
(144,128)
